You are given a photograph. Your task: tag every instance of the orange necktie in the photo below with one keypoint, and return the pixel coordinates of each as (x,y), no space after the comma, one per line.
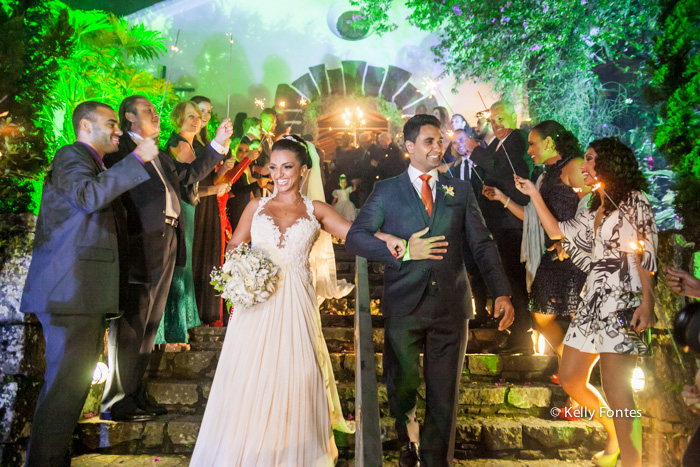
(426,194)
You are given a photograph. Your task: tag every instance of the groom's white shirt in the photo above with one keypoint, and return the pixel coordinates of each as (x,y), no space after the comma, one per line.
(414,174)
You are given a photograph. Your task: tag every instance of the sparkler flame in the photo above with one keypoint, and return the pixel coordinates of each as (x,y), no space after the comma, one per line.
(637,246)
(303,101)
(283,104)
(430,85)
(174,48)
(577,190)
(5,113)
(597,186)
(260,103)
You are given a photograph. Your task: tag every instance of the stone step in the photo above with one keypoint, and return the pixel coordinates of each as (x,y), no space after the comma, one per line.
(340,336)
(199,364)
(521,437)
(115,460)
(189,397)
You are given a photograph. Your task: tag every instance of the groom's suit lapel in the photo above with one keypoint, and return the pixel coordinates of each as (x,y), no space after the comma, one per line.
(439,205)
(413,200)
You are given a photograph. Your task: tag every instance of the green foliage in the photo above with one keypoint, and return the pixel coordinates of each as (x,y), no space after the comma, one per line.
(676,75)
(35,38)
(102,67)
(579,62)
(52,59)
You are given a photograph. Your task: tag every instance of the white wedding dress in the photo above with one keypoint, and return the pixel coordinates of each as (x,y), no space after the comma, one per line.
(273,401)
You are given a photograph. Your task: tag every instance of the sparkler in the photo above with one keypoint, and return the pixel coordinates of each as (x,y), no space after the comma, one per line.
(431,86)
(503,146)
(303,101)
(230,65)
(174,48)
(259,102)
(282,104)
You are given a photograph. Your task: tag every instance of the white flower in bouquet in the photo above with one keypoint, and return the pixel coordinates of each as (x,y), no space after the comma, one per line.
(246,278)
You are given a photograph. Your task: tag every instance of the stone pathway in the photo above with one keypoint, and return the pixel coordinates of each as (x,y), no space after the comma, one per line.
(104,460)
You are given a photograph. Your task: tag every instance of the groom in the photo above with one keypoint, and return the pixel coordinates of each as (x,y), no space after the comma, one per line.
(427,299)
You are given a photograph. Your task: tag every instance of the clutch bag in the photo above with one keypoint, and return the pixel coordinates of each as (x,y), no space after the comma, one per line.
(640,339)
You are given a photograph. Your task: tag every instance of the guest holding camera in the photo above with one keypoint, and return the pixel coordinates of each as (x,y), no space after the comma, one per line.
(619,233)
(685,284)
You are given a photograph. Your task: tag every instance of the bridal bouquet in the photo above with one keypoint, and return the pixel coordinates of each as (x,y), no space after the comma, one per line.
(246,278)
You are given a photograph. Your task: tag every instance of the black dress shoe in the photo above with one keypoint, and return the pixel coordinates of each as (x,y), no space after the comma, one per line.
(155,409)
(136,415)
(409,455)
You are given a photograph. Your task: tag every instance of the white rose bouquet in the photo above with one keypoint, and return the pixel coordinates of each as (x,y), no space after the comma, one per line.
(247,277)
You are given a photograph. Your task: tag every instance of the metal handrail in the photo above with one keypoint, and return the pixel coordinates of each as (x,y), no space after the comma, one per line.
(368,443)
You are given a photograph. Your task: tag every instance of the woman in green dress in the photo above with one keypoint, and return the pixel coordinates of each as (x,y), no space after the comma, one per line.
(181,308)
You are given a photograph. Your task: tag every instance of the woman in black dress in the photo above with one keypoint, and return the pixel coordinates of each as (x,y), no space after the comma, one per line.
(209,228)
(556,285)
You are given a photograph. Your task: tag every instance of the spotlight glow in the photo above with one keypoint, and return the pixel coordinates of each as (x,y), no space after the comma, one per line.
(638,379)
(99,374)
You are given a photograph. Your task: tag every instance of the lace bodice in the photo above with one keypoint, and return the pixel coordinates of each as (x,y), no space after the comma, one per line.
(289,249)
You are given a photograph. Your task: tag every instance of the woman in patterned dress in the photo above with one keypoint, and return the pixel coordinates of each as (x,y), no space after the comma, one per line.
(611,231)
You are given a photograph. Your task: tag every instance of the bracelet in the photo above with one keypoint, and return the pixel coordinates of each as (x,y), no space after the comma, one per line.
(505,205)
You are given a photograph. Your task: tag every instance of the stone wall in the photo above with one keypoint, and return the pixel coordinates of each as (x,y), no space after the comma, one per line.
(667,421)
(22,349)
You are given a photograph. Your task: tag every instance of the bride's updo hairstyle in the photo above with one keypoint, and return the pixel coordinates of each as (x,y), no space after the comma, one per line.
(296,145)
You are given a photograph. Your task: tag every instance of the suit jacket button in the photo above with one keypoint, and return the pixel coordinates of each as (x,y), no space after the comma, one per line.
(162,234)
(163,211)
(433,283)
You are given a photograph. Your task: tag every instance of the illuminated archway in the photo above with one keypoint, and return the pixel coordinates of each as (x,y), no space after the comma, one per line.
(379,91)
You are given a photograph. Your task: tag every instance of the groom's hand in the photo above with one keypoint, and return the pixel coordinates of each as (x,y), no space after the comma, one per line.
(503,307)
(426,248)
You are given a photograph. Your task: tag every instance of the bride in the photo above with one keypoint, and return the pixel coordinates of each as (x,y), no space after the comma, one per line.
(273,400)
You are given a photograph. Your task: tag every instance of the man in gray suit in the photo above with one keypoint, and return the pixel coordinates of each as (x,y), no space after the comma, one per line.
(73,280)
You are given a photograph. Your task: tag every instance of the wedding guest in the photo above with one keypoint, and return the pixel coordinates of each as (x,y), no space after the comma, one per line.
(441,114)
(446,129)
(554,281)
(156,244)
(392,161)
(619,234)
(211,229)
(181,313)
(464,169)
(504,156)
(238,120)
(74,278)
(243,188)
(421,109)
(484,132)
(458,122)
(683,283)
(341,200)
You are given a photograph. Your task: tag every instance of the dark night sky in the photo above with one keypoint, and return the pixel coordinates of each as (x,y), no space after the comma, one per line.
(118,7)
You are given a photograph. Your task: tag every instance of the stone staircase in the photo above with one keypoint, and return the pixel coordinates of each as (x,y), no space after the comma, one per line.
(504,402)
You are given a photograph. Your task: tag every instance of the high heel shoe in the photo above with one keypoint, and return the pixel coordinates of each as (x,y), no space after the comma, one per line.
(602,460)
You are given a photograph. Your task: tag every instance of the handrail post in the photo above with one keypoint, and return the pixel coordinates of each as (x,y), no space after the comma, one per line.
(368,442)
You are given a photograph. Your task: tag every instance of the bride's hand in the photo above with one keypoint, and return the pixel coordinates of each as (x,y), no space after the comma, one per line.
(396,245)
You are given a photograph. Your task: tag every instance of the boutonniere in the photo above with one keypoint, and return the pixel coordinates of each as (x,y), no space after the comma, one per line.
(448,191)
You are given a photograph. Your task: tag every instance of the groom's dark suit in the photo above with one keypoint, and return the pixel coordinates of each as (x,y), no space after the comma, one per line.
(426,303)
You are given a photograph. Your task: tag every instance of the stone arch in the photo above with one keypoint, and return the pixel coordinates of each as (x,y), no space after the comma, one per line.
(353,78)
